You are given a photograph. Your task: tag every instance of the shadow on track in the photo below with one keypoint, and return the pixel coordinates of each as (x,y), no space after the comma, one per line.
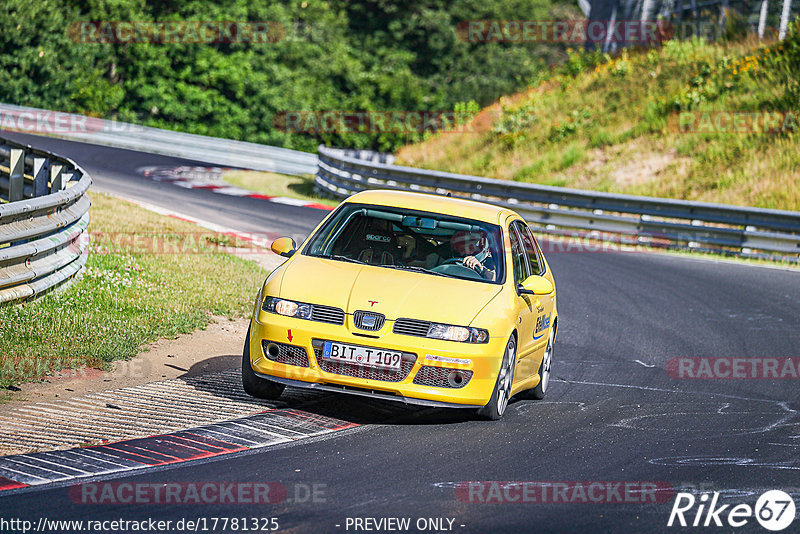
(350,408)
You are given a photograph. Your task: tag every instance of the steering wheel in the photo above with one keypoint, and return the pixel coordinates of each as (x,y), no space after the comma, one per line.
(457,269)
(460,261)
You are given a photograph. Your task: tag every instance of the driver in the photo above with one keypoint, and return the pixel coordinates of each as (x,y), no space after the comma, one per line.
(474,247)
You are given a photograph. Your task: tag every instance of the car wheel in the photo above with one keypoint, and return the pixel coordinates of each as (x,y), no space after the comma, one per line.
(256,386)
(544,368)
(497,405)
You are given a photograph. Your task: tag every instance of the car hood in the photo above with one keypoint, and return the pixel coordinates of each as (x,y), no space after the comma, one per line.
(392,292)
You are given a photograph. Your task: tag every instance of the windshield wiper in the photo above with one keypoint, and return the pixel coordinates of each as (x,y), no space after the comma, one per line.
(343,258)
(416,269)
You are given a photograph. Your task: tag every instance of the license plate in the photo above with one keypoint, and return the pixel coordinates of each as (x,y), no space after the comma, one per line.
(368,357)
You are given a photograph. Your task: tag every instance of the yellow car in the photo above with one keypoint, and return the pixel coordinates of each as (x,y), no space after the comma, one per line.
(410,297)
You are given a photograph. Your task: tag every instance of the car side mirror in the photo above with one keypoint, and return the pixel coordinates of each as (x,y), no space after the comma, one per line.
(284,246)
(536,285)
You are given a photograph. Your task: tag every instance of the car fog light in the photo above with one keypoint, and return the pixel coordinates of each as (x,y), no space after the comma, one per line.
(455,379)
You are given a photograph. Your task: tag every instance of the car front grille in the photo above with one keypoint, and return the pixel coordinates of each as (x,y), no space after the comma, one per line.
(327,314)
(368,320)
(438,377)
(411,327)
(286,354)
(362,371)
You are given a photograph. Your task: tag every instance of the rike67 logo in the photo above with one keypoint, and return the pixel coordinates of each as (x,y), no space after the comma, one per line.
(774,510)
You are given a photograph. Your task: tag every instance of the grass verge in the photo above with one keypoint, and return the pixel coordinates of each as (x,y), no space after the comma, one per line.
(717,122)
(147,277)
(280,185)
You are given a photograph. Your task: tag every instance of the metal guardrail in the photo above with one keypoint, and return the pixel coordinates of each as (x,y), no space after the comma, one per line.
(741,231)
(44,214)
(212,150)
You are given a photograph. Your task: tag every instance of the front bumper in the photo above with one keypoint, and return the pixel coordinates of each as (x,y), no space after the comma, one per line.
(300,341)
(366,393)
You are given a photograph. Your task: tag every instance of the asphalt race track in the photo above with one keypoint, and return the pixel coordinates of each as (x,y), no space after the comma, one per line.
(612,414)
(114,171)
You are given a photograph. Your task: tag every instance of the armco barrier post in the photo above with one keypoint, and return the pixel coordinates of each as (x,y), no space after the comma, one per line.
(16,168)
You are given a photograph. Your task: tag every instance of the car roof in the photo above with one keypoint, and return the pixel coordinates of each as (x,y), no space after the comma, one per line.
(433,203)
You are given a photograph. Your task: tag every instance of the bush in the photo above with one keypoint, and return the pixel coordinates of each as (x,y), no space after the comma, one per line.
(348,55)
(580,61)
(683,52)
(736,26)
(784,57)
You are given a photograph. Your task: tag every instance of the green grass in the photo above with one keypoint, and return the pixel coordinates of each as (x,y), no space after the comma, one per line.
(611,124)
(147,277)
(270,183)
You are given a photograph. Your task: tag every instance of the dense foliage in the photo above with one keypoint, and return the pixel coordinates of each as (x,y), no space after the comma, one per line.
(358,55)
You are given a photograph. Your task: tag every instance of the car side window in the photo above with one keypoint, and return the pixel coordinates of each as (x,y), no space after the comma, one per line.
(531,249)
(517,255)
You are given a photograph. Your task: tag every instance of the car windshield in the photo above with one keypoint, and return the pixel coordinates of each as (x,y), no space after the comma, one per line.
(429,243)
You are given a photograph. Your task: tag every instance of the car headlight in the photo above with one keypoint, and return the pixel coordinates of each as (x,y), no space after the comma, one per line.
(289,308)
(462,334)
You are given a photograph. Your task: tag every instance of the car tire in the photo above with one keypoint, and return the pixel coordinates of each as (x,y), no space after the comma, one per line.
(501,395)
(256,386)
(544,368)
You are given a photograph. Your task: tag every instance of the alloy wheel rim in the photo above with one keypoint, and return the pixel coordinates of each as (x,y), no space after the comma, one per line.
(547,362)
(506,377)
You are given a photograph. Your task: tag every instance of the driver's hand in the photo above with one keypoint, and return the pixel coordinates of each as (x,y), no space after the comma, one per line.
(472,262)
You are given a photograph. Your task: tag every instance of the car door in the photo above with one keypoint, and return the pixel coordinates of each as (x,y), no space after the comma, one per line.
(526,319)
(544,304)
